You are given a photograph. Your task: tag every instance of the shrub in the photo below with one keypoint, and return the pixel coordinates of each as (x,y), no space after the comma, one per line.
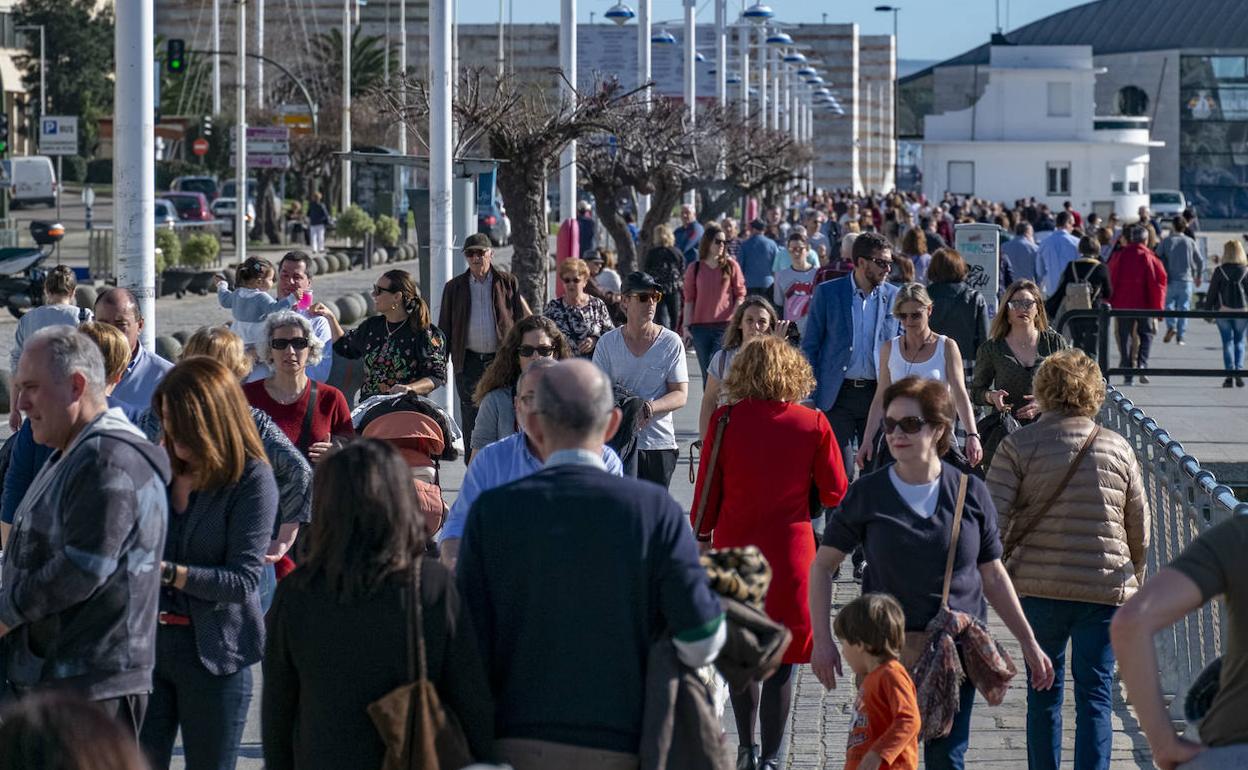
(74,169)
(100,171)
(170,247)
(355,223)
(200,250)
(387,230)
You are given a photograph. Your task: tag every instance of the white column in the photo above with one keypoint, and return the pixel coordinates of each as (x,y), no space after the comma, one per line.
(346,99)
(762,77)
(216,57)
(240,142)
(786,98)
(853,114)
(743,49)
(502,58)
(773,58)
(567,63)
(721,52)
(440,194)
(260,50)
(134,175)
(402,148)
(691,72)
(643,77)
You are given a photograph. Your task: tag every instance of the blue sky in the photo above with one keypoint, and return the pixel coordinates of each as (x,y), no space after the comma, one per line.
(929,29)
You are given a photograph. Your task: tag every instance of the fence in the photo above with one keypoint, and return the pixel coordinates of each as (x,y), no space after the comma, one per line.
(1185,500)
(102,259)
(1104,313)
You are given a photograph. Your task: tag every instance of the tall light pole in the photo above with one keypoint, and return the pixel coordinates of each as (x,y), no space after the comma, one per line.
(346,101)
(216,57)
(134,173)
(721,52)
(743,54)
(440,195)
(895,9)
(260,50)
(691,83)
(240,142)
(402,148)
(567,63)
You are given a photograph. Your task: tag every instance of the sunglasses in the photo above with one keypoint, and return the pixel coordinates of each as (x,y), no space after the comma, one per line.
(470,253)
(908,425)
(384,290)
(527,351)
(1021,304)
(647,296)
(571,279)
(720,241)
(883,264)
(298,343)
(912,316)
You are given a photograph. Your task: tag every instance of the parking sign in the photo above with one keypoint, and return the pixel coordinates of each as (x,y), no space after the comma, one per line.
(58,135)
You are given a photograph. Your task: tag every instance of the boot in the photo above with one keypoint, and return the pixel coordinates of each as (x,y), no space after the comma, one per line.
(747,757)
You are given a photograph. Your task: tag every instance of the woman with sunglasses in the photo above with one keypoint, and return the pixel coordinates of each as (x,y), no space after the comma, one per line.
(582,319)
(902,517)
(1020,338)
(311,414)
(403,351)
(530,339)
(714,286)
(919,352)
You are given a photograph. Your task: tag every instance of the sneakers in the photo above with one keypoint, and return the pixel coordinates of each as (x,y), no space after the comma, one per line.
(1170,336)
(859,568)
(1239,382)
(1226,383)
(1144,379)
(1180,341)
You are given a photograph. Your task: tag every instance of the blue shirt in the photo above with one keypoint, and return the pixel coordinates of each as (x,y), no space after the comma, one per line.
(866,312)
(25,459)
(144,373)
(1058,250)
(687,239)
(758,255)
(1022,255)
(503,462)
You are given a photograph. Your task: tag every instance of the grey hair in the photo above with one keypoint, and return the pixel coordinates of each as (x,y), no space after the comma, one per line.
(581,412)
(70,351)
(280,320)
(1137,233)
(912,292)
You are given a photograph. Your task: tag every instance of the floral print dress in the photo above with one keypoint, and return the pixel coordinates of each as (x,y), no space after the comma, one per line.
(580,322)
(394,355)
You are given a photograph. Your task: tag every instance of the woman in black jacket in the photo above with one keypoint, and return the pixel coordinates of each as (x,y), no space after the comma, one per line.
(958,311)
(666,266)
(338,627)
(1090,270)
(1228,290)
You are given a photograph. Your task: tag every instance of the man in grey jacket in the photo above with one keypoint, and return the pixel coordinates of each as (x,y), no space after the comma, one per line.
(80,579)
(1184,269)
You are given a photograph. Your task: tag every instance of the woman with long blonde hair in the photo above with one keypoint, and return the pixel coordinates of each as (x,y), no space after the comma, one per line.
(1228,290)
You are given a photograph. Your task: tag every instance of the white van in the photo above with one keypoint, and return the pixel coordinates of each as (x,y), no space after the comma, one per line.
(31,180)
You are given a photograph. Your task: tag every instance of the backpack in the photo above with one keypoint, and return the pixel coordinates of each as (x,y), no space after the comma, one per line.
(1079,293)
(797,300)
(1232,295)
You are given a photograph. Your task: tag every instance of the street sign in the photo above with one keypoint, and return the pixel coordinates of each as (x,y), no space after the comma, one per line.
(979,245)
(200,146)
(267,146)
(58,135)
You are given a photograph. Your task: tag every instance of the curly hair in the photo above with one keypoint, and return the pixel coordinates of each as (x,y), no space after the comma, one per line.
(504,370)
(769,369)
(280,320)
(733,336)
(1068,382)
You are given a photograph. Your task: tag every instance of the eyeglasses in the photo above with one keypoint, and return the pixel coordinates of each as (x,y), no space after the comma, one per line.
(1021,304)
(908,425)
(281,343)
(527,351)
(913,316)
(384,290)
(647,296)
(720,241)
(883,264)
(470,253)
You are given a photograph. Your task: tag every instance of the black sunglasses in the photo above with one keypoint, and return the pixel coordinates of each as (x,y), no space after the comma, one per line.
(910,425)
(281,343)
(384,290)
(916,315)
(527,351)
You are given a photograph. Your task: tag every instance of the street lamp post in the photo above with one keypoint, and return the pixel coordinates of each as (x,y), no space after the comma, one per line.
(567,63)
(346,103)
(691,63)
(721,52)
(643,77)
(894,10)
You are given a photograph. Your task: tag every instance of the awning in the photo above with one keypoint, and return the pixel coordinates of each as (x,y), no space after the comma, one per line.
(10,74)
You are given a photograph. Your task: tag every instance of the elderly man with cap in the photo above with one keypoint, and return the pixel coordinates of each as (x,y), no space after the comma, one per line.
(758,256)
(648,361)
(479,307)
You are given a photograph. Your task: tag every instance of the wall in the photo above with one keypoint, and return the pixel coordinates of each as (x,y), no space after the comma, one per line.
(1157,74)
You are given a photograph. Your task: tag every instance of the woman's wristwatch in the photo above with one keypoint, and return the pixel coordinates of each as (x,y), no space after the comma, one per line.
(647,410)
(168,573)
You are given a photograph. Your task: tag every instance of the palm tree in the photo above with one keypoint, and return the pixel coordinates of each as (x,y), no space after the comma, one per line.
(368,61)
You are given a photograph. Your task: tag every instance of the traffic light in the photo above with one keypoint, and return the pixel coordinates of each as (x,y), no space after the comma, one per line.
(206,126)
(4,134)
(175,56)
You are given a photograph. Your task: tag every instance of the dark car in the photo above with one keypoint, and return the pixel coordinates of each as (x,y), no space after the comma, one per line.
(191,206)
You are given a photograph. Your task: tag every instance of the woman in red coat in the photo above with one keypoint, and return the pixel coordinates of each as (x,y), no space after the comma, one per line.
(772,453)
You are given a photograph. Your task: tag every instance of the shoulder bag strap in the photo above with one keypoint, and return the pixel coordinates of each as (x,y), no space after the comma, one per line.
(709,476)
(416,615)
(305,432)
(1034,520)
(953,540)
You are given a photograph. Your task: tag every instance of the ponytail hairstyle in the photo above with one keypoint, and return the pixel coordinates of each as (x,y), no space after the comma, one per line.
(417,309)
(254,269)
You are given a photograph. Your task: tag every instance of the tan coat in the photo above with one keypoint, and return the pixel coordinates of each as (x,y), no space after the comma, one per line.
(1091,545)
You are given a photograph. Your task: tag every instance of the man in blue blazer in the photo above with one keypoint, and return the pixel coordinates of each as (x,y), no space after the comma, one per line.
(849,319)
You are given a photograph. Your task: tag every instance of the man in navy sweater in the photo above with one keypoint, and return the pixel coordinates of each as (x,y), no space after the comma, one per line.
(569,576)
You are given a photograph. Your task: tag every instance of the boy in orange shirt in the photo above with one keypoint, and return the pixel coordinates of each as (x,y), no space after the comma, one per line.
(885,730)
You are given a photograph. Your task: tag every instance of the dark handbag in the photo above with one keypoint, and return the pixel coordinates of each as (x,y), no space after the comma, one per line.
(420,733)
(1018,529)
(993,429)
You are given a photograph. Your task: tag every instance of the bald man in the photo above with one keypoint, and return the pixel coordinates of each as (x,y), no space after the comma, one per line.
(119,307)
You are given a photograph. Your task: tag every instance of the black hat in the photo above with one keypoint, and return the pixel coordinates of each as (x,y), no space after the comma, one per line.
(758,225)
(639,282)
(477,241)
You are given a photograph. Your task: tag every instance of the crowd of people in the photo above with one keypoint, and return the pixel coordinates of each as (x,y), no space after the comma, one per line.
(169,525)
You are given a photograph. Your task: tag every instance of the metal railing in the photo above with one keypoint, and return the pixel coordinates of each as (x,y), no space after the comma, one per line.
(1185,500)
(1104,313)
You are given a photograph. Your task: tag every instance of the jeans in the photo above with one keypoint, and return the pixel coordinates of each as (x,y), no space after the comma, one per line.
(1232,331)
(949,753)
(706,340)
(1144,328)
(210,709)
(1230,757)
(1178,297)
(466,384)
(1086,626)
(268,586)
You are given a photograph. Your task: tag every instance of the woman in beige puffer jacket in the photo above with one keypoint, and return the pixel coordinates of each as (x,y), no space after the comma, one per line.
(1075,563)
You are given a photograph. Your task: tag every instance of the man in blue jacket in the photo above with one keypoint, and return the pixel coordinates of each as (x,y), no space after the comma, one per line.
(757,257)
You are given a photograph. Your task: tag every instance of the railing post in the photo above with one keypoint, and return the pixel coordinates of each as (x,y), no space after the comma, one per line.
(1102,338)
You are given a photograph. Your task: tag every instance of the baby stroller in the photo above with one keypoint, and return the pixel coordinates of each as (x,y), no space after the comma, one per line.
(418,428)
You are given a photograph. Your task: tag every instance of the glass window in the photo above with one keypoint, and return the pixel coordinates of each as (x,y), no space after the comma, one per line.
(1060,100)
(1227,67)
(962,177)
(1115,187)
(1133,187)
(1058,182)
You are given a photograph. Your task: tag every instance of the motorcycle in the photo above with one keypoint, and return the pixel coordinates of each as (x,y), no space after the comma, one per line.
(21,274)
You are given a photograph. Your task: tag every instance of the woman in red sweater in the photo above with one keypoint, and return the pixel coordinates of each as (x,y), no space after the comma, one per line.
(764,499)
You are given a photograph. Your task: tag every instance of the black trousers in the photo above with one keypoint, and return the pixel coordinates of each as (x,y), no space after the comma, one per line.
(465,385)
(667,314)
(657,465)
(1144,328)
(848,418)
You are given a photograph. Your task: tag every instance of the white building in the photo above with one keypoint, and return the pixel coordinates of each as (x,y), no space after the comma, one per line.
(1034,132)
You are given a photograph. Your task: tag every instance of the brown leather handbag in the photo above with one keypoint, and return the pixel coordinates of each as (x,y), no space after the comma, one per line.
(420,733)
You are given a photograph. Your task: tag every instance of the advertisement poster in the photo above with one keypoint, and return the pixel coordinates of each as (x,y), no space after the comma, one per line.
(980,246)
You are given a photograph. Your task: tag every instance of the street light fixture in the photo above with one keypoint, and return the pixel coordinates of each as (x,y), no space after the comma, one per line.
(620,13)
(894,10)
(795,57)
(806,72)
(758,13)
(779,39)
(663,37)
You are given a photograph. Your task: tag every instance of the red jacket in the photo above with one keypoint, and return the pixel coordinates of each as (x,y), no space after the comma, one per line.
(1138,278)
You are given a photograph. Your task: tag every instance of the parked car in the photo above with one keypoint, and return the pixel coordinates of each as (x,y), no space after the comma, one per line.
(1166,204)
(230,187)
(200,184)
(166,213)
(492,220)
(31,180)
(224,210)
(191,206)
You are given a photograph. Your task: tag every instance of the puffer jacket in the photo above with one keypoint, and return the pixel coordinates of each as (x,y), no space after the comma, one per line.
(1091,544)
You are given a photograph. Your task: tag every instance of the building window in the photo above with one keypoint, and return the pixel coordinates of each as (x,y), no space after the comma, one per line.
(1133,187)
(1060,100)
(1132,101)
(1058,179)
(1115,187)
(962,177)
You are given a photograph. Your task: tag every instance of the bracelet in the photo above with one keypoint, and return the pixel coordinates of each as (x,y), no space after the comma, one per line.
(972,435)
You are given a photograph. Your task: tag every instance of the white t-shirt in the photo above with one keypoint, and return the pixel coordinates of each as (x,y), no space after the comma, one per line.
(921,498)
(646,377)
